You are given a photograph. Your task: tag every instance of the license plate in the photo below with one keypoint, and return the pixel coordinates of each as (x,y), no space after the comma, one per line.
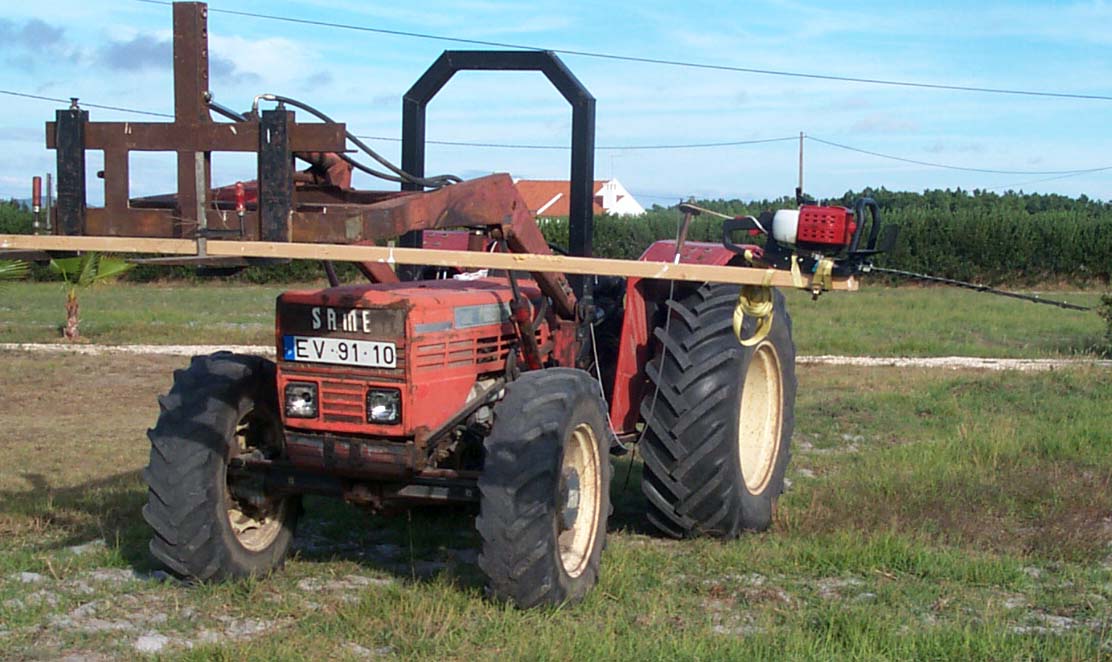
(340,351)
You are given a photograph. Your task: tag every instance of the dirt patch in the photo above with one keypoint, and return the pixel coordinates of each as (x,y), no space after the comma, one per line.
(347,583)
(133,610)
(838,588)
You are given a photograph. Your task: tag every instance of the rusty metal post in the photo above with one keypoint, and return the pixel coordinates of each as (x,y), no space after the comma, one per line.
(70,141)
(275,175)
(191,82)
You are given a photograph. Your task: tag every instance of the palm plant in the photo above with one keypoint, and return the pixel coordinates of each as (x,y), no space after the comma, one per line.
(13,269)
(81,272)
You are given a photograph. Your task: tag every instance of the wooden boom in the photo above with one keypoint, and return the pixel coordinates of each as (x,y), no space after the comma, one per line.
(424,256)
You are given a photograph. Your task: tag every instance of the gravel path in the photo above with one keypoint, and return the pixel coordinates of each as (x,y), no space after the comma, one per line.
(950,362)
(159,350)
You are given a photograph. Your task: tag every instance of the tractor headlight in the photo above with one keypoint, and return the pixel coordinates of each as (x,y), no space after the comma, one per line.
(384,405)
(301,400)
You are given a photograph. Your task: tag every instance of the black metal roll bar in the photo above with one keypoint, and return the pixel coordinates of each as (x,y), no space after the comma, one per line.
(415,101)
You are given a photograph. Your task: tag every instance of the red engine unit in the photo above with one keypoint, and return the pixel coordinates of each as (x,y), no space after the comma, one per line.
(827,226)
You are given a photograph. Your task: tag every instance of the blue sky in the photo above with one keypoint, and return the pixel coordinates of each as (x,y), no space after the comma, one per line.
(116,52)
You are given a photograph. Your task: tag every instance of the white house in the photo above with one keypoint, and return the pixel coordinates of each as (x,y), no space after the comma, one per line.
(550,197)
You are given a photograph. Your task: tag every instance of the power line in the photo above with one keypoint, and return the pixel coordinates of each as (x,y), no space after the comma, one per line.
(1059,174)
(1038,181)
(1079,171)
(85,105)
(731,143)
(649,60)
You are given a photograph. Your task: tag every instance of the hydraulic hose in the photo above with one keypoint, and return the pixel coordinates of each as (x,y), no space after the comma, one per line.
(399,175)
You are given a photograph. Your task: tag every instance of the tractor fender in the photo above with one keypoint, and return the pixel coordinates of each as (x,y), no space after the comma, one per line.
(644,298)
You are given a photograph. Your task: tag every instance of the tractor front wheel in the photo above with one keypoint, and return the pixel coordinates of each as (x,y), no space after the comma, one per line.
(545,489)
(719,427)
(210,523)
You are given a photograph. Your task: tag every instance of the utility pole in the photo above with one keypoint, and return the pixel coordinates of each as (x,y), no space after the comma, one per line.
(799,189)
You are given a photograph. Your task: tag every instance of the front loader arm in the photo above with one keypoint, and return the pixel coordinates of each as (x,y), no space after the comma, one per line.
(492,202)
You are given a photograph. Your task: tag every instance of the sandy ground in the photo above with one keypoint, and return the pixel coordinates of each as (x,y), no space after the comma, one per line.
(950,362)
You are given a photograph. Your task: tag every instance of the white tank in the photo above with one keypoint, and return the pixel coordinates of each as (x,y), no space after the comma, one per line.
(785,226)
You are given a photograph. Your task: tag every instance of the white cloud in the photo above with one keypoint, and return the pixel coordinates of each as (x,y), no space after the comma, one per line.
(273,60)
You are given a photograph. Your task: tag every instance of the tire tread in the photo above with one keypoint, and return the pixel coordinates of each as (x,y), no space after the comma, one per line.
(690,485)
(519,554)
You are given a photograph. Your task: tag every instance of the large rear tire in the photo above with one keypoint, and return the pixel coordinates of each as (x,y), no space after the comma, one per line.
(206,527)
(545,489)
(718,436)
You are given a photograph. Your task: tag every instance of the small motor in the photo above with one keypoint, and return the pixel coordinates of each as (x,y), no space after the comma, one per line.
(817,231)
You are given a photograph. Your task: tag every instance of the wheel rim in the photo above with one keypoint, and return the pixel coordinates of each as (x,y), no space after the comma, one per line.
(255,523)
(758,432)
(257,532)
(580,486)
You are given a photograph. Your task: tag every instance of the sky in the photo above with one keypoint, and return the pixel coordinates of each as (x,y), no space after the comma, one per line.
(117,52)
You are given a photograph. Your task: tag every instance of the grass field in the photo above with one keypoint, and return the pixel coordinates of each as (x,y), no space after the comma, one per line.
(878,321)
(939,515)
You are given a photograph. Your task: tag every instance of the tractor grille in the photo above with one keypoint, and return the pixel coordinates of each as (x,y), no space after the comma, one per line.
(343,401)
(462,352)
(342,397)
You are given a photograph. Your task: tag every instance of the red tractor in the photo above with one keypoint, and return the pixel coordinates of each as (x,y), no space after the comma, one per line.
(502,390)
(479,390)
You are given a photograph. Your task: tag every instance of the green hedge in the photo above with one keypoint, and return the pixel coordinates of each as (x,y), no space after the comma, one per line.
(1007,238)
(15,218)
(999,238)
(294,271)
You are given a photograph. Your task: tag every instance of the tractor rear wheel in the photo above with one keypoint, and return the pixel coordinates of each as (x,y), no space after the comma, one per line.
(208,524)
(545,489)
(718,435)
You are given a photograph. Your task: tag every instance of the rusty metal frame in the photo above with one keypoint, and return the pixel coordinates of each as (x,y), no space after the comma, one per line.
(285,211)
(194,136)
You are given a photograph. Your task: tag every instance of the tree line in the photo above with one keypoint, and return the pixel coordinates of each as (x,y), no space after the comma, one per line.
(1010,238)
(993,238)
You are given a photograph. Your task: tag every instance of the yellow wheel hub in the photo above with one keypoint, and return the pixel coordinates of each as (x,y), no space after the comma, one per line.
(760,417)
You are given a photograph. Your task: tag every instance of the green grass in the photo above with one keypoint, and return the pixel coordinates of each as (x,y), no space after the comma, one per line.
(146,313)
(877,321)
(940,321)
(934,515)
